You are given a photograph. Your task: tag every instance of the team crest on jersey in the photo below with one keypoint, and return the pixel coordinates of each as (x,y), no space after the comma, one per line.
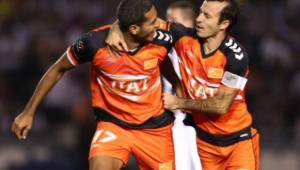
(215,73)
(149,64)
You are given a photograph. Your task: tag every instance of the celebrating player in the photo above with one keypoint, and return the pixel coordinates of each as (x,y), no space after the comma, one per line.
(126,92)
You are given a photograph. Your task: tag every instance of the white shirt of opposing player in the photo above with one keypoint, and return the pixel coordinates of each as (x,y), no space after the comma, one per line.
(184,137)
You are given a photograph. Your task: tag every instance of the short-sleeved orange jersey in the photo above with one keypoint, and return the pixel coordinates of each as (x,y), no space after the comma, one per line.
(128,86)
(202,75)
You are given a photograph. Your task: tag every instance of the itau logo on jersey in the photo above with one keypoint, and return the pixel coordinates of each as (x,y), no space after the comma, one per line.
(215,73)
(130,87)
(135,86)
(200,89)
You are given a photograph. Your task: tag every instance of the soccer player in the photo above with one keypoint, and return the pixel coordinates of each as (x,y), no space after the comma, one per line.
(214,67)
(126,92)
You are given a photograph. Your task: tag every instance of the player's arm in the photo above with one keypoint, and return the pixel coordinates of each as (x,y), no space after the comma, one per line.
(232,82)
(218,104)
(80,52)
(23,122)
(115,39)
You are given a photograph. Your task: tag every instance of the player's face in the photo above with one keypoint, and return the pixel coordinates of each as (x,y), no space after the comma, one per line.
(207,22)
(149,26)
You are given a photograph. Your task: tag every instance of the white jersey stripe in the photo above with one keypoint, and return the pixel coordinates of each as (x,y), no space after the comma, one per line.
(71,57)
(125,76)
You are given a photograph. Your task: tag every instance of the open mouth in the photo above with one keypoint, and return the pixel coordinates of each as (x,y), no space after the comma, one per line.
(199,28)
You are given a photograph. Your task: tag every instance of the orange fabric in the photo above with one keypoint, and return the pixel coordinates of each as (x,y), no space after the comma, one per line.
(127,86)
(201,79)
(256,147)
(153,148)
(243,155)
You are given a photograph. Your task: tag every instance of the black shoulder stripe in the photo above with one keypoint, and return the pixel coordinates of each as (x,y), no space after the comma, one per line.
(163,38)
(231,46)
(178,31)
(86,46)
(237,57)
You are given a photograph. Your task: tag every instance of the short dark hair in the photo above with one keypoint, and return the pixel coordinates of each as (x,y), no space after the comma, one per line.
(132,12)
(185,4)
(231,12)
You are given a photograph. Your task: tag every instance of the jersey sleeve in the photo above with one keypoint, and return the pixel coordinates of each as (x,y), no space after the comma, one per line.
(236,67)
(85,48)
(237,64)
(177,31)
(163,38)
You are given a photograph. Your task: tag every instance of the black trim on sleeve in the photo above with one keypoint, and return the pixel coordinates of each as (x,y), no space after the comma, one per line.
(237,57)
(163,38)
(86,46)
(177,31)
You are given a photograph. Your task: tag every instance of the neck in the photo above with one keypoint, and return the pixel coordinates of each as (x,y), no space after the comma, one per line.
(212,43)
(130,41)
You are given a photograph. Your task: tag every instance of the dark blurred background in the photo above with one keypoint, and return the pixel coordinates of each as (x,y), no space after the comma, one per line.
(34,33)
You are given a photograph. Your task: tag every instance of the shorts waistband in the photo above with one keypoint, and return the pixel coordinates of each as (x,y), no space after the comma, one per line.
(162,120)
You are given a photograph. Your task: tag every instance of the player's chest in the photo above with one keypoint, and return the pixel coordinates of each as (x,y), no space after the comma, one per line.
(202,75)
(143,62)
(210,68)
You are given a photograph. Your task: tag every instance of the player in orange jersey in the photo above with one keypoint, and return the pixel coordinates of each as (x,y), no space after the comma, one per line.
(126,92)
(214,68)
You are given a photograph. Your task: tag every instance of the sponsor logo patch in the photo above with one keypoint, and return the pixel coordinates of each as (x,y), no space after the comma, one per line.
(215,73)
(149,64)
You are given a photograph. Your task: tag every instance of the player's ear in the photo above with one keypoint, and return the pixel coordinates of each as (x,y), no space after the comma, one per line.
(134,29)
(224,24)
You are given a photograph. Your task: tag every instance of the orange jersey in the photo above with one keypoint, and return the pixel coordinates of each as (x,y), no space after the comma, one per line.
(128,86)
(202,75)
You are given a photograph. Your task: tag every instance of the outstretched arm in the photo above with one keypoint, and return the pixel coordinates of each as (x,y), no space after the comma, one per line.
(23,122)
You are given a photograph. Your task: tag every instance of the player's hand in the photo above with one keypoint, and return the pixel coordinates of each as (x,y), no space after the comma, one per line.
(115,40)
(170,101)
(22,125)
